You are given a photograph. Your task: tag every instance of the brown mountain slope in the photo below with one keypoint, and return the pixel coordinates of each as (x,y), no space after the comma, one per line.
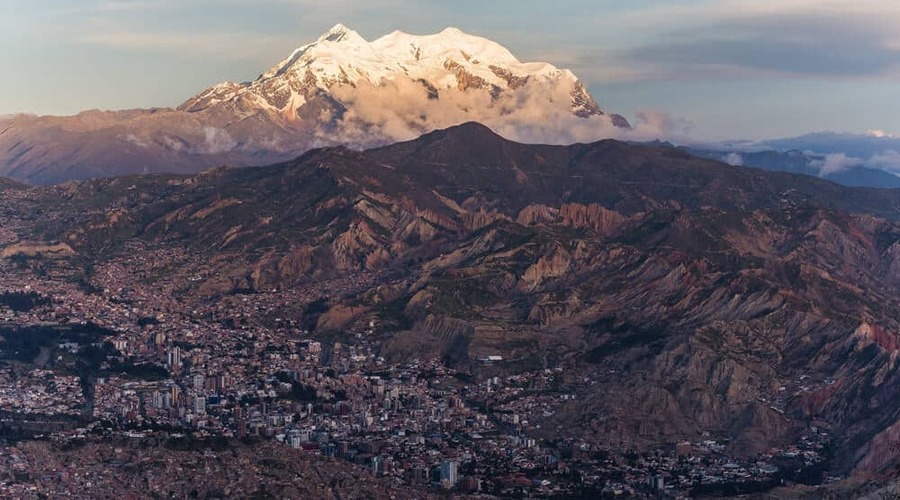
(684,297)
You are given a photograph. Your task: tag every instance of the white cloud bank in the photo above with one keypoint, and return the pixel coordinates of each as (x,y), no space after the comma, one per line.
(833,163)
(838,162)
(538,112)
(217,140)
(735,160)
(887,160)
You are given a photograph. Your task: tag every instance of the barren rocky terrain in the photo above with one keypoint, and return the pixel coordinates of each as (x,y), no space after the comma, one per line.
(700,299)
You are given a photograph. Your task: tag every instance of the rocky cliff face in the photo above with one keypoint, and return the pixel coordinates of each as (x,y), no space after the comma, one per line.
(697,299)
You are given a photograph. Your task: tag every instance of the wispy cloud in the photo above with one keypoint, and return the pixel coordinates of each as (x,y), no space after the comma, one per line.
(737,39)
(401,109)
(96,7)
(592,64)
(226,46)
(888,159)
(138,25)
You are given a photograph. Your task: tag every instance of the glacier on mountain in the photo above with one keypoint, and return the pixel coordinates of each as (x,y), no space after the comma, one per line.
(402,85)
(338,90)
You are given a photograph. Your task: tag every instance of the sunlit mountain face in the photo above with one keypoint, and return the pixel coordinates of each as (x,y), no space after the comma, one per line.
(339,89)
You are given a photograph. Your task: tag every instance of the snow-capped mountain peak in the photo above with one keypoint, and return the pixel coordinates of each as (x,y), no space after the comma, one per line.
(341,33)
(449,74)
(337,89)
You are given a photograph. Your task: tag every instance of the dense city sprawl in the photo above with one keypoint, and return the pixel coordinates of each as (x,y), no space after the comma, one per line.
(117,359)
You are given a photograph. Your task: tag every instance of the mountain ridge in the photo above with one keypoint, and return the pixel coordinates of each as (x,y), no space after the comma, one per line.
(339,89)
(690,291)
(851,159)
(848,172)
(442,61)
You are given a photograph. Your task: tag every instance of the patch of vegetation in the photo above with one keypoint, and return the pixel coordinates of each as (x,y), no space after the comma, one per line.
(24,343)
(459,296)
(146,321)
(393,317)
(312,312)
(23,301)
(624,336)
(140,371)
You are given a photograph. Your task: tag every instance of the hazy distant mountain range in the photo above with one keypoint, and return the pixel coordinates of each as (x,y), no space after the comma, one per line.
(869,160)
(339,89)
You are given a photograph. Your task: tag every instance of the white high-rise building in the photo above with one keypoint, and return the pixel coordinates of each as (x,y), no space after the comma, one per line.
(449,476)
(199,405)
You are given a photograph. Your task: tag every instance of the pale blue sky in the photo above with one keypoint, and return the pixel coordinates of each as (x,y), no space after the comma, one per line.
(731,68)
